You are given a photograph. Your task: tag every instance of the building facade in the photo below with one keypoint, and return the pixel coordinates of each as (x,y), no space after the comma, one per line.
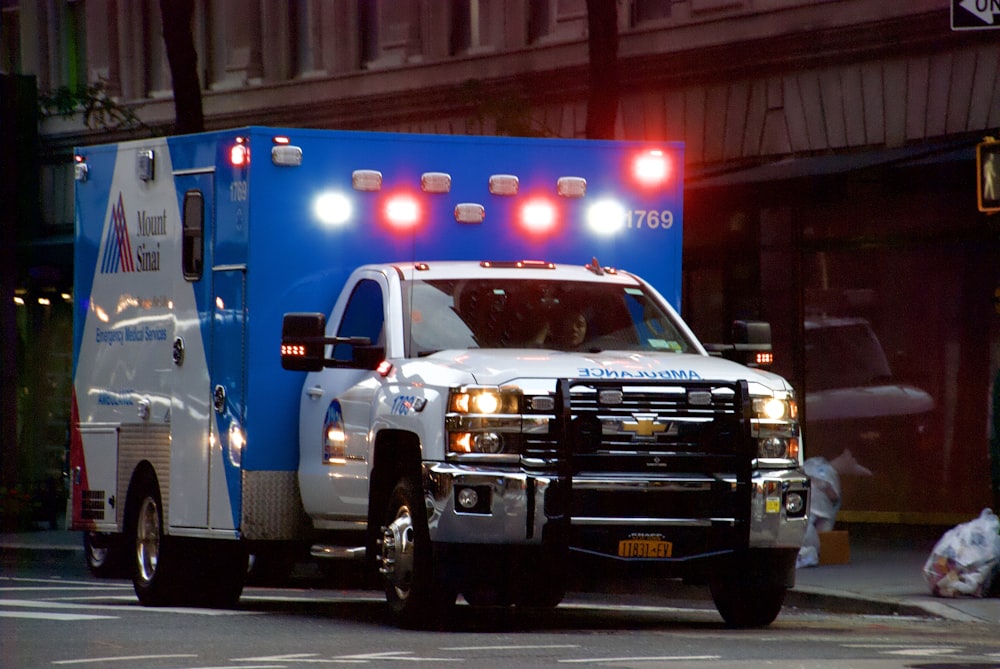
(830,171)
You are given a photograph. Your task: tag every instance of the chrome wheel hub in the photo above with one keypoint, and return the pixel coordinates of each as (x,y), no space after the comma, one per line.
(397,552)
(147,539)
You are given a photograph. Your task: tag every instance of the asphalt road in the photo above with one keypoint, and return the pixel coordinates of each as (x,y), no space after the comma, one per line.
(54,614)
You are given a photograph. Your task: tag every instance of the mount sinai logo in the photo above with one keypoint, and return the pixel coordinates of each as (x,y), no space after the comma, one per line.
(118,255)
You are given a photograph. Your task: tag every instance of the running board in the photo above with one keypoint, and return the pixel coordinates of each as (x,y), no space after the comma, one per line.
(327,552)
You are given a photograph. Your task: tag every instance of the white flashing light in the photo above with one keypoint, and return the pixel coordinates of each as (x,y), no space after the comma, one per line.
(470,212)
(571,187)
(366,180)
(606,217)
(285,155)
(435,182)
(332,209)
(503,184)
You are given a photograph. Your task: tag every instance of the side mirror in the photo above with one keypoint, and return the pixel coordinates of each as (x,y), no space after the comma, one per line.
(751,344)
(302,341)
(367,357)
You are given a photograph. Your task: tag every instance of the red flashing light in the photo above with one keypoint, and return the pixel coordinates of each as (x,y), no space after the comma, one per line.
(538,216)
(239,154)
(402,212)
(652,168)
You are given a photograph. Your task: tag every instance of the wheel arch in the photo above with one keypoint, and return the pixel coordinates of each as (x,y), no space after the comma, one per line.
(143,474)
(396,453)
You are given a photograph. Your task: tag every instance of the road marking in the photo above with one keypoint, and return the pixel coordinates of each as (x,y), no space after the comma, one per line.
(49,604)
(309,658)
(123,658)
(46,615)
(921,651)
(660,658)
(524,647)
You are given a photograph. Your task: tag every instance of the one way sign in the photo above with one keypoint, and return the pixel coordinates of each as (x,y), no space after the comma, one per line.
(975,14)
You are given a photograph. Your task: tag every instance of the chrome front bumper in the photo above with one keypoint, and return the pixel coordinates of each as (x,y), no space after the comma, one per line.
(512,505)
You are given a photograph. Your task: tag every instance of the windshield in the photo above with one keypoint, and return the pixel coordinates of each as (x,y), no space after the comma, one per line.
(519,313)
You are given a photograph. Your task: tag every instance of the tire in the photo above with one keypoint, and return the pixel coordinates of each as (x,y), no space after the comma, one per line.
(544,584)
(103,553)
(414,596)
(152,562)
(746,604)
(221,572)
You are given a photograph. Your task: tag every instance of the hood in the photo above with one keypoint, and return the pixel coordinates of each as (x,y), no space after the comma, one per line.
(502,366)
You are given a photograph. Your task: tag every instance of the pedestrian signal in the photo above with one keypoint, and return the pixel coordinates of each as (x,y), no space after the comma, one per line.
(988,175)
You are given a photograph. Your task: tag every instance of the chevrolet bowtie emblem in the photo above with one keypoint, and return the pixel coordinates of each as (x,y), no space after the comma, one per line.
(644,425)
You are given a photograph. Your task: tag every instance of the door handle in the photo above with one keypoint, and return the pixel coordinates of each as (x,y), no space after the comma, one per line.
(315,392)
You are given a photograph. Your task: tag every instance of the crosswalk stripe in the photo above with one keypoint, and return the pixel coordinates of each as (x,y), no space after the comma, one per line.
(52,615)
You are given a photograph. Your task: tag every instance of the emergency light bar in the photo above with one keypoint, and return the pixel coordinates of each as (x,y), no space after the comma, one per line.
(366,180)
(470,212)
(285,155)
(435,182)
(503,184)
(571,187)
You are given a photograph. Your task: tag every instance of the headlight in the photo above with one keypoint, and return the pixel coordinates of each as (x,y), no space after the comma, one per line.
(774,408)
(484,422)
(483,401)
(775,425)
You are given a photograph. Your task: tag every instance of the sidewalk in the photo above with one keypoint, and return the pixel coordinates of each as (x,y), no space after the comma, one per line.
(884,575)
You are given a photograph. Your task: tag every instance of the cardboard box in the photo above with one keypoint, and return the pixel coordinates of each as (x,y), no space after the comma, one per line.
(834,547)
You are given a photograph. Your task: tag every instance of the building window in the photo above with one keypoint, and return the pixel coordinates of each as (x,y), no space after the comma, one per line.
(651,10)
(551,20)
(390,32)
(471,23)
(307,37)
(10,40)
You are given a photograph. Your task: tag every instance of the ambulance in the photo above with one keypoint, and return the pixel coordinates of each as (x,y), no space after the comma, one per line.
(456,362)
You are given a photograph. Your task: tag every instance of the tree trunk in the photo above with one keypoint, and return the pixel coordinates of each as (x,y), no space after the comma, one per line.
(602,104)
(183,58)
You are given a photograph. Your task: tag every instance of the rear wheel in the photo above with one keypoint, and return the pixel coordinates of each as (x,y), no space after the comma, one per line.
(150,550)
(415,597)
(103,554)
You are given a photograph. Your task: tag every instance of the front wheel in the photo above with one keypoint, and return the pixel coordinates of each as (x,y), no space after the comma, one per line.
(749,588)
(414,596)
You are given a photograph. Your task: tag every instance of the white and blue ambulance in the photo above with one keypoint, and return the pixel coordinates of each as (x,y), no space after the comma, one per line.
(359,345)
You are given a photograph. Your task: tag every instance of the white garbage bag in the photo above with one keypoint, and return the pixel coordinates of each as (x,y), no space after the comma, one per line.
(966,559)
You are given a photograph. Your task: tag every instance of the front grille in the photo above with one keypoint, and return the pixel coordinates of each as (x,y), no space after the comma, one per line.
(652,430)
(671,458)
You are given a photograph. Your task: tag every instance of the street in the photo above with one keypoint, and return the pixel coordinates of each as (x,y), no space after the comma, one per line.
(54,614)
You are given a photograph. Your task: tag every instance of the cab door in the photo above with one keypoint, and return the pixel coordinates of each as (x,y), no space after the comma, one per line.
(337,409)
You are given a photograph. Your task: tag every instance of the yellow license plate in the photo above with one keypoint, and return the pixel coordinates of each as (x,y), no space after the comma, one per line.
(645,548)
